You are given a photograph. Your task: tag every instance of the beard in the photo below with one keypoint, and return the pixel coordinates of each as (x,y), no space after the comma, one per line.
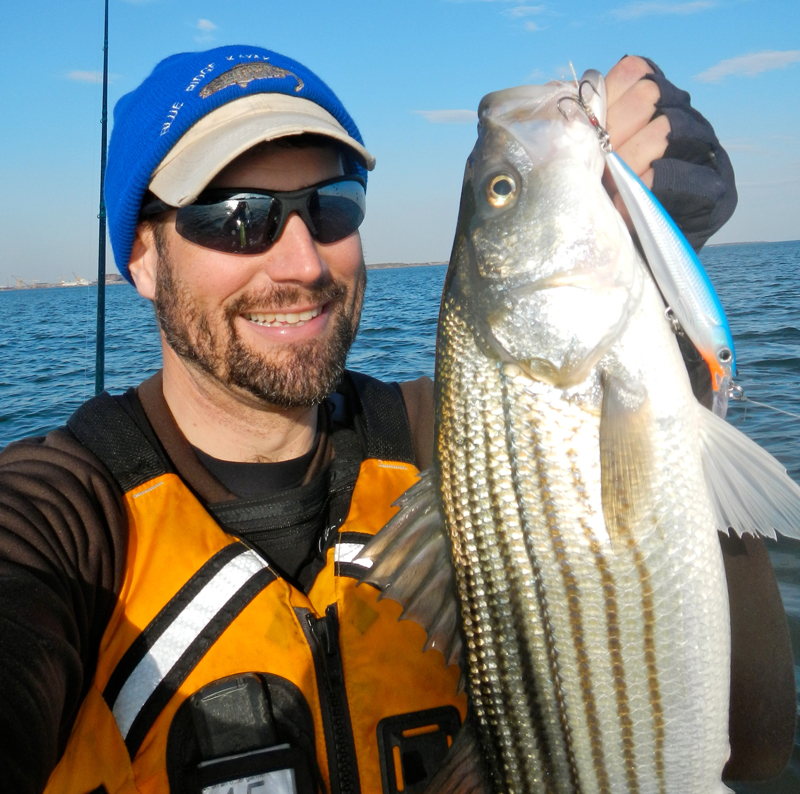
(299,375)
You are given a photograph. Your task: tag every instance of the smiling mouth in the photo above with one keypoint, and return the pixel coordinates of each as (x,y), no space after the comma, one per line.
(283,319)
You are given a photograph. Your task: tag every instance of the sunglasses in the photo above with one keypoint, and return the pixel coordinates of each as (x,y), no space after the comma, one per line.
(249,221)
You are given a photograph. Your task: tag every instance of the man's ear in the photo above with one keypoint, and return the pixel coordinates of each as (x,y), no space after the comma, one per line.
(144,261)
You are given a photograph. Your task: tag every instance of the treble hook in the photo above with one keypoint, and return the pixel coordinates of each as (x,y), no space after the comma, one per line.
(591,85)
(602,133)
(569,98)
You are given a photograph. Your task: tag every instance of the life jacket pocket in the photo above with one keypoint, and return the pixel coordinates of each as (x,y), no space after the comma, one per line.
(253,732)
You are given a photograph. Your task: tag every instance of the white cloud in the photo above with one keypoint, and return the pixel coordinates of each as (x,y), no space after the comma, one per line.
(636,10)
(525,11)
(749,65)
(204,26)
(532,27)
(449,116)
(85,77)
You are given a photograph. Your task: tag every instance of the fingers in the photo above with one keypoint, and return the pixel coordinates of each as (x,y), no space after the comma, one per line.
(636,136)
(632,111)
(639,152)
(623,75)
(646,145)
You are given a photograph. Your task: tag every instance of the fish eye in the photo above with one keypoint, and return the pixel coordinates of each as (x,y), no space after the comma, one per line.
(725,355)
(501,190)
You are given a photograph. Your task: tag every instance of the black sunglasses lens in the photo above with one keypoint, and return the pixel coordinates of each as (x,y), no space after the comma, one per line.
(237,225)
(247,223)
(337,210)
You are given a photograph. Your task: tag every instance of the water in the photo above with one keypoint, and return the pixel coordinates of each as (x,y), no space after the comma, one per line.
(47,364)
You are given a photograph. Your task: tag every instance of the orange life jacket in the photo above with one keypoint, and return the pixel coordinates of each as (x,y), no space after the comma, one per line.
(198,606)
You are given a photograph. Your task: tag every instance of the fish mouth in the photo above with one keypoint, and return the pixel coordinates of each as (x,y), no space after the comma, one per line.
(284,319)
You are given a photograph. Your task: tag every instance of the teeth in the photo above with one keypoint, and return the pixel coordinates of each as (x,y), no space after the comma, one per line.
(278,319)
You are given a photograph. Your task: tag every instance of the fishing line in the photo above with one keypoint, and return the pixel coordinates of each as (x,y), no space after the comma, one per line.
(744,399)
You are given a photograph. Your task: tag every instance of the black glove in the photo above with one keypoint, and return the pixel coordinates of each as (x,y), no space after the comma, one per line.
(694,179)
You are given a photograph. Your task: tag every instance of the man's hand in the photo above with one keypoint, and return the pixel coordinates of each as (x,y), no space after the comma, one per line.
(636,136)
(672,148)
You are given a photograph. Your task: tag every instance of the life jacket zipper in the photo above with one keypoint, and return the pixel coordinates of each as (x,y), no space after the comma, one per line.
(322,635)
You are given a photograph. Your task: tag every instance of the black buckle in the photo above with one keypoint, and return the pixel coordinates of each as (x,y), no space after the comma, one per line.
(413,746)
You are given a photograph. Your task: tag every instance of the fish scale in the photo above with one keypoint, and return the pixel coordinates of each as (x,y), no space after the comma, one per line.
(578,487)
(566,651)
(571,604)
(499,693)
(528,479)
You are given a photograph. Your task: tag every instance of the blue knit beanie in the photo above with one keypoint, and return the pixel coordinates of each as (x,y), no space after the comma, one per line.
(180,91)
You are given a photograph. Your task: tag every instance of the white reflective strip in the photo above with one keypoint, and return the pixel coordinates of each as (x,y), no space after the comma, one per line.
(281,781)
(180,634)
(347,552)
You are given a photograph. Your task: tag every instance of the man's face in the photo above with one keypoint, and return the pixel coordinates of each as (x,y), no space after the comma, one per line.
(276,326)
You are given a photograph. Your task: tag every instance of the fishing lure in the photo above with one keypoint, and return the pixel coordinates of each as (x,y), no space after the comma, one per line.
(680,276)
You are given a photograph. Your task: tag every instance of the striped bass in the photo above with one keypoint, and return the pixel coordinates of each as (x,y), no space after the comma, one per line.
(563,546)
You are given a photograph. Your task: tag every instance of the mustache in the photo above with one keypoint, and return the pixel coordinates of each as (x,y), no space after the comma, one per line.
(277,297)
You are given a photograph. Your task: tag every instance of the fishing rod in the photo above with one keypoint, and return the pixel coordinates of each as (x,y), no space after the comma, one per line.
(100,352)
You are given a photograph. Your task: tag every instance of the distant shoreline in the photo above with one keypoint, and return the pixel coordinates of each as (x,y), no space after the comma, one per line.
(114,278)
(389,265)
(751,242)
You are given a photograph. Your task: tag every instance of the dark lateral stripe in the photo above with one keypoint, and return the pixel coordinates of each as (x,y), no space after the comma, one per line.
(164,618)
(582,657)
(649,621)
(552,749)
(530,755)
(617,669)
(191,657)
(613,631)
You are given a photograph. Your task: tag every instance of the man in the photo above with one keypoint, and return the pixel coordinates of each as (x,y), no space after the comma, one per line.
(178,609)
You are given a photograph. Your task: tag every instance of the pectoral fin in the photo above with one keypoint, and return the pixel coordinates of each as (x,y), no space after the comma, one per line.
(411,564)
(751,493)
(461,771)
(626,461)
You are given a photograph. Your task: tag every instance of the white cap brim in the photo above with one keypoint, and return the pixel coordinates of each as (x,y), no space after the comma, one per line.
(230,130)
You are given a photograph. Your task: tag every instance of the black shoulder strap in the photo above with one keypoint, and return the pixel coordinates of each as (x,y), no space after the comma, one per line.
(380,418)
(107,429)
(104,427)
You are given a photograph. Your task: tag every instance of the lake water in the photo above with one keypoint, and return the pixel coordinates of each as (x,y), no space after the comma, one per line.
(47,363)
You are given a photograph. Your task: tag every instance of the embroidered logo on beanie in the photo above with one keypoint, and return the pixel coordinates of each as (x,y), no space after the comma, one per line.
(244,74)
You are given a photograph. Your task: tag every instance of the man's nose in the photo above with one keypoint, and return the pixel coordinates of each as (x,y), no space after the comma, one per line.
(294,256)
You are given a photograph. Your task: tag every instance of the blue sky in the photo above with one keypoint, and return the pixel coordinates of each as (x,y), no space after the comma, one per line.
(410,73)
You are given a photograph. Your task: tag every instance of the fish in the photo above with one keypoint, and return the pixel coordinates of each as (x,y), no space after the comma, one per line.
(562,548)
